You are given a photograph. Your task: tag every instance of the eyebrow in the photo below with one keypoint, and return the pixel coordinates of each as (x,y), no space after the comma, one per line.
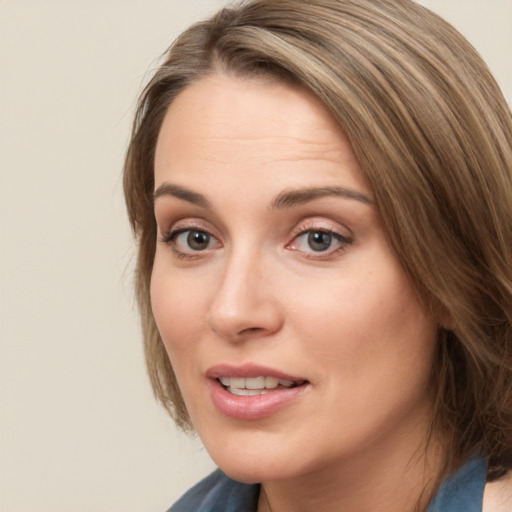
(285,199)
(168,189)
(290,198)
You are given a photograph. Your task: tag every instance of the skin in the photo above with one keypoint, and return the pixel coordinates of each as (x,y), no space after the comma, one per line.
(498,495)
(346,318)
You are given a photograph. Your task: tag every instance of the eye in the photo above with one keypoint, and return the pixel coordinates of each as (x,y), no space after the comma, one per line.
(186,242)
(195,240)
(319,241)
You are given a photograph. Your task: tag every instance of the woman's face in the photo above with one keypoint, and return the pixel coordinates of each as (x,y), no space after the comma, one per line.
(297,340)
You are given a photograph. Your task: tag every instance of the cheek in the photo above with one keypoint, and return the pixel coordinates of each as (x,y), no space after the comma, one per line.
(180,317)
(371,322)
(178,310)
(371,348)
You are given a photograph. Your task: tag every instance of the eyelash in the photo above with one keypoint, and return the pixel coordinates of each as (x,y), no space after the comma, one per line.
(344,241)
(314,227)
(170,240)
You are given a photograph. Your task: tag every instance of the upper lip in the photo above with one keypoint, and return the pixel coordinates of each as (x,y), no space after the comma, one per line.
(249,370)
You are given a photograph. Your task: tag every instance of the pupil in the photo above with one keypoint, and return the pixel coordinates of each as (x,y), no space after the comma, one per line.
(198,240)
(319,240)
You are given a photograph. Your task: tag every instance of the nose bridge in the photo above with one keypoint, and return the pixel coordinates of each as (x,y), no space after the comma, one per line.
(244,302)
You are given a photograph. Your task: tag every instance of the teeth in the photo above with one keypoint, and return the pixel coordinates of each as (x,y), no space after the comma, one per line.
(237,383)
(253,385)
(271,382)
(247,392)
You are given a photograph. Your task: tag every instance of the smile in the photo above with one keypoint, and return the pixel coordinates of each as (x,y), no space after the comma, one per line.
(252,392)
(252,386)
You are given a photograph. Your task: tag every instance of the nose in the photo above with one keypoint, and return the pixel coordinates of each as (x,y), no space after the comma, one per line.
(245,304)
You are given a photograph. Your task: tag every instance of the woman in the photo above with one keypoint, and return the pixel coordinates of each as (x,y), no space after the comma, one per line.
(322,197)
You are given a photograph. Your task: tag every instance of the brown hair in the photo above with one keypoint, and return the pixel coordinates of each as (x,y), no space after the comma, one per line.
(433,133)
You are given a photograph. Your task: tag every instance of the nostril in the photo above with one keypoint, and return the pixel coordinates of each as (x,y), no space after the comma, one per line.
(250,330)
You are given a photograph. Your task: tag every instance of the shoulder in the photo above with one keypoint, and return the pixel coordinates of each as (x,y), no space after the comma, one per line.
(498,495)
(218,493)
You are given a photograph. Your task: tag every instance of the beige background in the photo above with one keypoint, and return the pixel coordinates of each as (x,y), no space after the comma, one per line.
(79,430)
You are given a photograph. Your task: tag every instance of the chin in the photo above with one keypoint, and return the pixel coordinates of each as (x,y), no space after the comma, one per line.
(258,463)
(252,473)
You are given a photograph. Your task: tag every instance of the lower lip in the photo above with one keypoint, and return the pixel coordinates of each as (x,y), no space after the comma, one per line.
(253,407)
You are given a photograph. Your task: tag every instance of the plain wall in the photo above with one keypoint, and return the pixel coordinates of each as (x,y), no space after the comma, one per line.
(79,428)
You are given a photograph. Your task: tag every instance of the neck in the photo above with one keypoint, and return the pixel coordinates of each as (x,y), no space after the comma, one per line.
(403,477)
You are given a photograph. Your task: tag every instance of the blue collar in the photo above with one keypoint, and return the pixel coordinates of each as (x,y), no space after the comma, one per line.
(463,490)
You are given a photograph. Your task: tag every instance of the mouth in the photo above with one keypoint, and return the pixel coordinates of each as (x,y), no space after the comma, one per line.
(253,392)
(252,386)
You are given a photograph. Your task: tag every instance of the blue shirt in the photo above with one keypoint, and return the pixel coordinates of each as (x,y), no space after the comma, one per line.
(461,492)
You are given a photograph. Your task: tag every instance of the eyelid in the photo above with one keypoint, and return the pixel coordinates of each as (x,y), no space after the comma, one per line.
(321,224)
(184,224)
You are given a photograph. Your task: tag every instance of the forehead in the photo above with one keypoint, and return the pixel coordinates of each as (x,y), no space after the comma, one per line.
(250,124)
(221,96)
